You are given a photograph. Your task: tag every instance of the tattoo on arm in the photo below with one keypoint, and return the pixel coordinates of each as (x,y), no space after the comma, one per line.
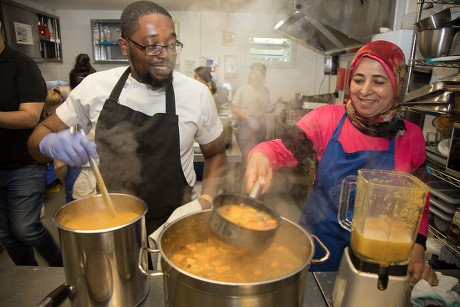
(297,142)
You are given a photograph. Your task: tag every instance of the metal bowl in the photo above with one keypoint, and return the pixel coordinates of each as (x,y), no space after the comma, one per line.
(243,239)
(435,43)
(437,20)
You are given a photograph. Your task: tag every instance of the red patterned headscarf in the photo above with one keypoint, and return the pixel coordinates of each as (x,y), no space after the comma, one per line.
(388,123)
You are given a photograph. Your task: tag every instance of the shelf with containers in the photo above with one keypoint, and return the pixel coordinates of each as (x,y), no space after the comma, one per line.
(32,32)
(104,35)
(437,170)
(49,36)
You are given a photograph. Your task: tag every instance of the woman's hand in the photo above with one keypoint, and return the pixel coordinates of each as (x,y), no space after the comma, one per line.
(258,169)
(418,269)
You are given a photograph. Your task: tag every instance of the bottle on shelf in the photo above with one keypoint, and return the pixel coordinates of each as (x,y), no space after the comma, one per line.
(50,29)
(96,34)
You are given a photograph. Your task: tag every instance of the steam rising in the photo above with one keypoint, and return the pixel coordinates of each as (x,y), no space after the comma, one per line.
(119,157)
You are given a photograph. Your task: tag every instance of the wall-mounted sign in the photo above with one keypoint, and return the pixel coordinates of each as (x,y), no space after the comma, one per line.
(23,33)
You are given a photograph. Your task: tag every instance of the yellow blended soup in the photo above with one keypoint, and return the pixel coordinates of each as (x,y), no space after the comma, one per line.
(98,219)
(378,244)
(248,217)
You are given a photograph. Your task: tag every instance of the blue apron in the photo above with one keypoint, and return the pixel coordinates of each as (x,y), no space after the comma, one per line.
(319,215)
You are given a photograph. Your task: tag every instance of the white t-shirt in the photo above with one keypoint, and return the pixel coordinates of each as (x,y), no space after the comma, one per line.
(195,107)
(252,100)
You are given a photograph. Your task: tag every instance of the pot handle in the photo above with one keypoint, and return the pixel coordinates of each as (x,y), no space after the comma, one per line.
(55,296)
(326,256)
(141,263)
(255,192)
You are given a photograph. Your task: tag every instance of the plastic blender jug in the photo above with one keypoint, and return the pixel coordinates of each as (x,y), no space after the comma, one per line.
(386,214)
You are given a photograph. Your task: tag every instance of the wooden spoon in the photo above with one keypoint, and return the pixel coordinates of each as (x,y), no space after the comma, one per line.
(100,182)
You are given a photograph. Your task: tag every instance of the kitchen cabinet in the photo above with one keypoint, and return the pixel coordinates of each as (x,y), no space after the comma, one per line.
(105,34)
(32,32)
(436,170)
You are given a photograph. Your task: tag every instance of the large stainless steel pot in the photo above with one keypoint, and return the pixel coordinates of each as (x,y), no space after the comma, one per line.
(102,266)
(184,289)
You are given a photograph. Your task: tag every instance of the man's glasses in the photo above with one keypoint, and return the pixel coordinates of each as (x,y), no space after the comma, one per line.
(155,49)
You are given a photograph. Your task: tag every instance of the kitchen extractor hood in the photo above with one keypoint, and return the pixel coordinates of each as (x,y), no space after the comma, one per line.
(336,26)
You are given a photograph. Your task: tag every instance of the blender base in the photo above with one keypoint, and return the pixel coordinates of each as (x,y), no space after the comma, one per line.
(356,288)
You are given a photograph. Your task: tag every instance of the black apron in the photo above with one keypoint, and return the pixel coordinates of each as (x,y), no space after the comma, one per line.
(140,155)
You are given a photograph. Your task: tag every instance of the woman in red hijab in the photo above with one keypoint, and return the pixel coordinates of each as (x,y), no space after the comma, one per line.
(364,132)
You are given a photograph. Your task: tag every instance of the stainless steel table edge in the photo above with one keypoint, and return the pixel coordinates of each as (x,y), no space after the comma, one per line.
(27,286)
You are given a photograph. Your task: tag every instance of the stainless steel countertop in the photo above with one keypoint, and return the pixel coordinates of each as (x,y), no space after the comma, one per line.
(27,286)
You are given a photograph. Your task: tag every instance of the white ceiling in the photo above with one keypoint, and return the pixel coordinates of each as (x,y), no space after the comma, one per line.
(256,6)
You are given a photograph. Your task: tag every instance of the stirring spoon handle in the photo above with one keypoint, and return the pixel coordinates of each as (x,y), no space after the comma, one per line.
(100,182)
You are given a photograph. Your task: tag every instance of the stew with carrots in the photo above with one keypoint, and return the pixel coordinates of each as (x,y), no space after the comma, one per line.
(212,259)
(248,217)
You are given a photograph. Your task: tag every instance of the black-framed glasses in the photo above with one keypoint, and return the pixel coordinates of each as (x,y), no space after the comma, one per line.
(155,49)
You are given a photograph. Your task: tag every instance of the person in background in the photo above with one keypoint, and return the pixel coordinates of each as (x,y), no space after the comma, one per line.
(250,104)
(53,99)
(22,184)
(81,69)
(203,74)
(146,118)
(365,132)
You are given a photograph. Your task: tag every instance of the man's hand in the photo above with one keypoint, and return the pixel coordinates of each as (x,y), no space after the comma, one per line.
(72,149)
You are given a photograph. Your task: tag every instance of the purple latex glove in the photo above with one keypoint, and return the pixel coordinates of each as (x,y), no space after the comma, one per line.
(72,149)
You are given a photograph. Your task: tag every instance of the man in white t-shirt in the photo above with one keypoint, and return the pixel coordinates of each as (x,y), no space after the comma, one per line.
(146,117)
(250,104)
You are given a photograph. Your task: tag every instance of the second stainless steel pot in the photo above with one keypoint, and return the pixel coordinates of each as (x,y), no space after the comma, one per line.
(183,289)
(101,266)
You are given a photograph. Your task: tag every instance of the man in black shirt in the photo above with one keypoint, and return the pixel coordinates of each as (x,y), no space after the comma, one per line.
(22,181)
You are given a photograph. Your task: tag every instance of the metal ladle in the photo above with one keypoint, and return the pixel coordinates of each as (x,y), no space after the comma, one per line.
(247,240)
(100,182)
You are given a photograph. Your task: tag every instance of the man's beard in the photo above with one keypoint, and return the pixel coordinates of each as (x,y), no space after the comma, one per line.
(156,83)
(147,78)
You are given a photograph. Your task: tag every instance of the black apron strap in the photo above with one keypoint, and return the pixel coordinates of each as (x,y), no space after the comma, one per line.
(119,86)
(170,100)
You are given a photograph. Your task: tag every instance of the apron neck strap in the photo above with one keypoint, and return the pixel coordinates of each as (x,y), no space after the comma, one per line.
(115,94)
(170,95)
(170,100)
